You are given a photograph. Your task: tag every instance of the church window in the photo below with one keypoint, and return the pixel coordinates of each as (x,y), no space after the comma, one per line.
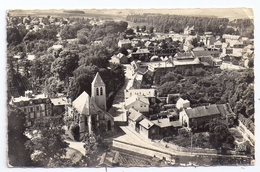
(97,92)
(101,91)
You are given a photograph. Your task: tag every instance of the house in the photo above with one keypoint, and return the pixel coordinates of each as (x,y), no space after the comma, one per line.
(228,38)
(166,127)
(203,55)
(58,105)
(134,117)
(141,54)
(139,103)
(189,31)
(198,117)
(90,112)
(182,104)
(126,43)
(208,39)
(34,106)
(149,93)
(148,129)
(119,59)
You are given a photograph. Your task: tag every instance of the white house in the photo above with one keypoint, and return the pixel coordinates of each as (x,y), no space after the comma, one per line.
(139,103)
(181,103)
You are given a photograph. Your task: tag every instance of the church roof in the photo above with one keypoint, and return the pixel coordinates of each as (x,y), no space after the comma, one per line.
(97,81)
(81,103)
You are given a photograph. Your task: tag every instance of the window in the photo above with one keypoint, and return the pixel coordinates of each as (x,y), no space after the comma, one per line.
(31,109)
(37,108)
(24,109)
(31,115)
(97,92)
(101,91)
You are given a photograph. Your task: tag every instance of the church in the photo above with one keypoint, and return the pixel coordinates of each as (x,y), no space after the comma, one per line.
(90,112)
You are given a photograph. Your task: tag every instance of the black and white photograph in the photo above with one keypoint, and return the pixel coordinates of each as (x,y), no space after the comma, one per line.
(130,87)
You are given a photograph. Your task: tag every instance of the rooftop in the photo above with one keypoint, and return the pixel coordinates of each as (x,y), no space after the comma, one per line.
(97,81)
(202,111)
(81,103)
(146,123)
(59,101)
(134,98)
(134,115)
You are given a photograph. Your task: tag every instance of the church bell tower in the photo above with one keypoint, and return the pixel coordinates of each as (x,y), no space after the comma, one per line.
(98,92)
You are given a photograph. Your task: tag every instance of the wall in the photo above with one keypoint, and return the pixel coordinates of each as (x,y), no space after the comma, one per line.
(141,149)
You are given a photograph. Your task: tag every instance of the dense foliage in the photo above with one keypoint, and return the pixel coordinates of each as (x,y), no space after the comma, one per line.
(177,23)
(18,156)
(211,85)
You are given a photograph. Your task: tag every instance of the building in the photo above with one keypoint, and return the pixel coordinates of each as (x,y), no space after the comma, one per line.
(203,55)
(198,117)
(166,127)
(126,43)
(119,59)
(58,105)
(134,117)
(34,106)
(137,102)
(149,93)
(90,112)
(189,30)
(148,129)
(182,104)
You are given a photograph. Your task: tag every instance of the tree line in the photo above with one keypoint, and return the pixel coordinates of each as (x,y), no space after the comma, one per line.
(177,23)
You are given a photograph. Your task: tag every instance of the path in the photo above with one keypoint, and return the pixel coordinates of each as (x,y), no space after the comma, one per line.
(76,145)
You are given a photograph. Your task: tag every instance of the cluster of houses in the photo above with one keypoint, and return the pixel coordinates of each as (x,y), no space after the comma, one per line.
(138,103)
(212,51)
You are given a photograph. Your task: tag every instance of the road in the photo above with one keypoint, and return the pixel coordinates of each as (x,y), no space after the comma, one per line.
(117,109)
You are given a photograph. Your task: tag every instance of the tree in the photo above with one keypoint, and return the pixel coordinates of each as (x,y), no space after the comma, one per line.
(229,30)
(64,65)
(151,29)
(143,28)
(220,136)
(137,29)
(47,143)
(18,156)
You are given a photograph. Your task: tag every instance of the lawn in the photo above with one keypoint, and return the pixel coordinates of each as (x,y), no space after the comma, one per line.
(200,140)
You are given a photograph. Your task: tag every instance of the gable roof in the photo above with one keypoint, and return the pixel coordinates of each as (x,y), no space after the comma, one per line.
(199,51)
(202,111)
(59,101)
(146,123)
(134,115)
(134,98)
(97,81)
(81,103)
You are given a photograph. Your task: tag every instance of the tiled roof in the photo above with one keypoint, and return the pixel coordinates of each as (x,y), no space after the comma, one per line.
(146,123)
(134,98)
(134,115)
(202,111)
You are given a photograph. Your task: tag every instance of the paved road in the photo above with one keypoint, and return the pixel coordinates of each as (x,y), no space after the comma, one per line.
(117,109)
(135,138)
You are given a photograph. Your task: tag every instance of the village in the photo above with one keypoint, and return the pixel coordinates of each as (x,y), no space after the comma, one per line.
(144,121)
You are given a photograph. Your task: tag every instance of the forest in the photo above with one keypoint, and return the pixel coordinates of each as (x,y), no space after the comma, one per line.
(177,23)
(69,70)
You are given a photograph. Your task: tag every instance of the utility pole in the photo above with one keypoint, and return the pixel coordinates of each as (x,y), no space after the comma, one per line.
(191,143)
